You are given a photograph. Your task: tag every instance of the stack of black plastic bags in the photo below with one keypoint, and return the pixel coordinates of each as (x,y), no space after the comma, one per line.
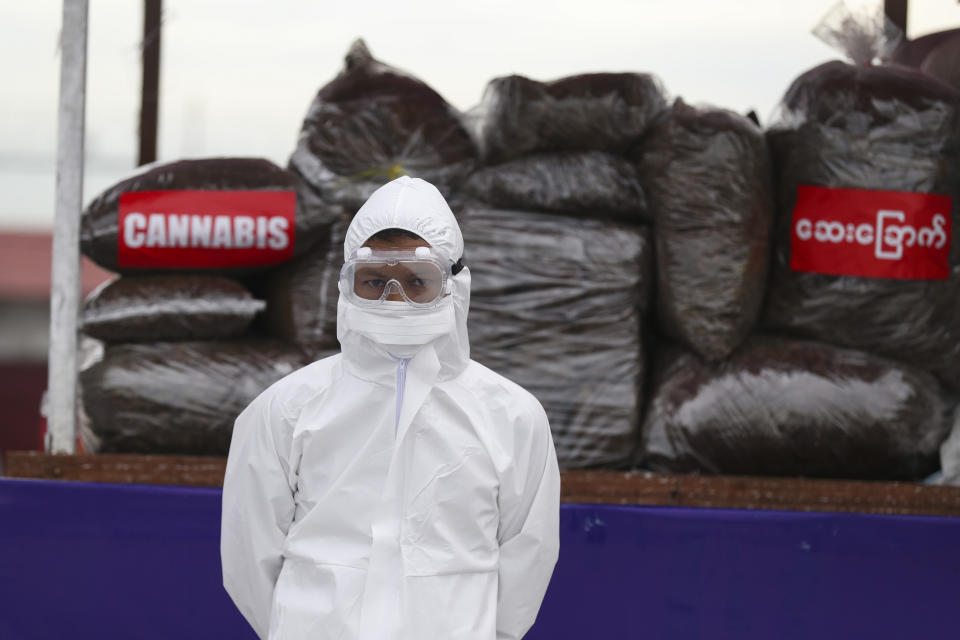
(635,265)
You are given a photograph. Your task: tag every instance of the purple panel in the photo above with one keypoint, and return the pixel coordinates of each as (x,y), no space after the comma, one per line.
(657,572)
(105,561)
(81,560)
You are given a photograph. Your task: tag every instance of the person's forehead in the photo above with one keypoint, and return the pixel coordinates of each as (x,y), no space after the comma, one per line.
(399,243)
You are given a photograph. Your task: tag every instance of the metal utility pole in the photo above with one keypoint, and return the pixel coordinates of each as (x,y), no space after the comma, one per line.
(150,92)
(65,273)
(896,10)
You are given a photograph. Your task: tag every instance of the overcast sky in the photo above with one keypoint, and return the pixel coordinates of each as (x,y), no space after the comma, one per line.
(237,75)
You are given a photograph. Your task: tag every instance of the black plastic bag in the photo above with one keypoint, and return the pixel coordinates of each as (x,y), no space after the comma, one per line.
(99,224)
(302,295)
(594,111)
(591,182)
(556,306)
(171,307)
(373,123)
(944,62)
(793,408)
(936,54)
(868,128)
(707,175)
(950,454)
(178,397)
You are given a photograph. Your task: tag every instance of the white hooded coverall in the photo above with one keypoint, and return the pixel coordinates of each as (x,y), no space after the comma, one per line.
(374,497)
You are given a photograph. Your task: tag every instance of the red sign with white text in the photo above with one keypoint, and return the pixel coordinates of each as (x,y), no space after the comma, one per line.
(205,229)
(871,234)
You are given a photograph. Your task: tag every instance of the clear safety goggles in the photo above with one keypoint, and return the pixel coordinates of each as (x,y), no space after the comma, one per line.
(419,276)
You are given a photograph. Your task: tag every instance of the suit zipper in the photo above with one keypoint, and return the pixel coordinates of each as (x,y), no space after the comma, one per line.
(401,383)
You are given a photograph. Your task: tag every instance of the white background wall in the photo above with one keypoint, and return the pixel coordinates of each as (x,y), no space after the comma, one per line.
(237,75)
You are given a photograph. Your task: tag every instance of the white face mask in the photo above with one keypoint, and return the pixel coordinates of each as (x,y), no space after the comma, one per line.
(401,329)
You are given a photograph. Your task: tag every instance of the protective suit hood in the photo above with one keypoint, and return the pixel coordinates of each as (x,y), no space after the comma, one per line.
(411,204)
(417,206)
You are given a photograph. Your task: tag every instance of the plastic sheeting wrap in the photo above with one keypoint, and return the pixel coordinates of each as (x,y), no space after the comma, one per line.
(595,111)
(872,128)
(707,175)
(302,295)
(784,407)
(570,182)
(556,306)
(373,123)
(98,226)
(178,397)
(169,308)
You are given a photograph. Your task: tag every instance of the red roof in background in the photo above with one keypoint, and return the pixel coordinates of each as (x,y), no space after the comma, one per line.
(25,264)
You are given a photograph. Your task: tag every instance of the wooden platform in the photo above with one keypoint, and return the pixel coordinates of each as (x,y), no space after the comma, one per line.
(121,468)
(602,487)
(785,494)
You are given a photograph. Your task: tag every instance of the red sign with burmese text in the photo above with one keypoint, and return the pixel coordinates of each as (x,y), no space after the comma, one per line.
(871,234)
(205,229)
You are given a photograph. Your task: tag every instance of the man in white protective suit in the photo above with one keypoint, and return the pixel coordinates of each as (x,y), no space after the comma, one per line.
(397,490)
